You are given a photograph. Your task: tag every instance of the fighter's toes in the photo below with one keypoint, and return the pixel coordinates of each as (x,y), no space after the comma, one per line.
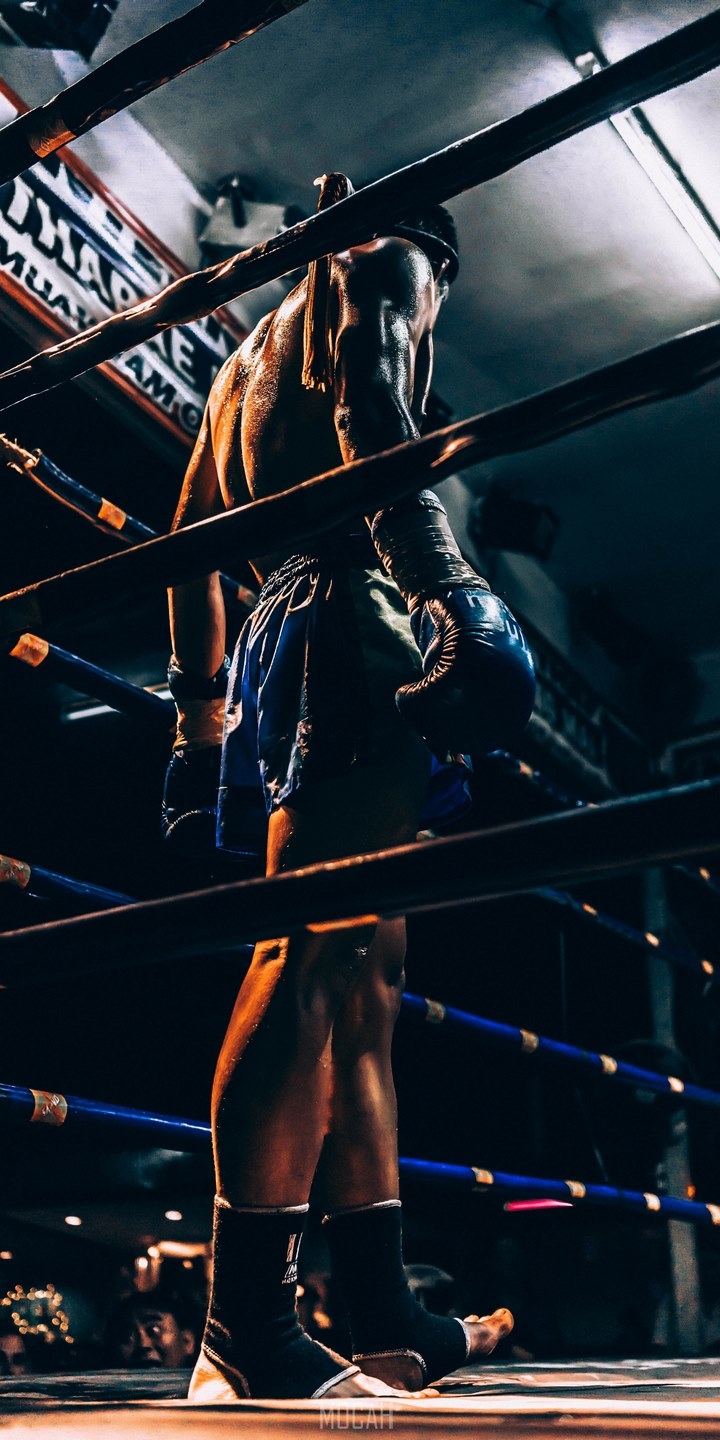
(484,1332)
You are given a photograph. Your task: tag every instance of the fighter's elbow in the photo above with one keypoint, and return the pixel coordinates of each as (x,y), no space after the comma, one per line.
(374,416)
(343,417)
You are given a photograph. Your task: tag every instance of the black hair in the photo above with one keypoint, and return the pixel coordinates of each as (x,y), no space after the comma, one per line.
(432,228)
(181,1307)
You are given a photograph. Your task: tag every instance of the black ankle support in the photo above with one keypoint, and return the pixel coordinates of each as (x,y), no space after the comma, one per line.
(366,1256)
(252,1327)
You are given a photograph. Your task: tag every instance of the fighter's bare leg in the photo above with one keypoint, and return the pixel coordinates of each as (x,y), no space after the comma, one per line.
(272,1090)
(360,1184)
(271,1102)
(360,1157)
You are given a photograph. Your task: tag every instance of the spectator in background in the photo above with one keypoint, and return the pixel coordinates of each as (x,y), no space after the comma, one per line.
(14,1357)
(153,1331)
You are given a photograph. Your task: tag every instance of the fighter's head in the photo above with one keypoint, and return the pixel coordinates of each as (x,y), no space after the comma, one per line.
(432,229)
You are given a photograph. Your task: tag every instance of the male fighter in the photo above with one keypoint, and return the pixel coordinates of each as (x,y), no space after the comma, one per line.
(340,370)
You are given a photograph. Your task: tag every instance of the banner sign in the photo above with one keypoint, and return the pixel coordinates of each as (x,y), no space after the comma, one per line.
(72,255)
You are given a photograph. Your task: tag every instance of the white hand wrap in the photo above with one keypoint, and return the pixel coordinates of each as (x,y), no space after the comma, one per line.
(199,723)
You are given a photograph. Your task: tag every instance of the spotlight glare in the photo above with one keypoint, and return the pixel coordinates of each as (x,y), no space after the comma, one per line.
(73,1220)
(173,1215)
(671,185)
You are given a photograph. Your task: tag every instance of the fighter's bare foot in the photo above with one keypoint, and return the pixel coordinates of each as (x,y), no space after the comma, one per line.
(406,1369)
(484,1332)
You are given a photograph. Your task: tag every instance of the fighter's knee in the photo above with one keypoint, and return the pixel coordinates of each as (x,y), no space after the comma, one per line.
(383,979)
(367,1019)
(381,989)
(330,972)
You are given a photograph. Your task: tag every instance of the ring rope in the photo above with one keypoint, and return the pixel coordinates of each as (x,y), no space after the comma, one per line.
(363,486)
(20,1105)
(513,765)
(672,61)
(107,517)
(464,1177)
(141,704)
(643,938)
(48,476)
(203,32)
(611,839)
(89,679)
(434,1012)
(42,884)
(699,874)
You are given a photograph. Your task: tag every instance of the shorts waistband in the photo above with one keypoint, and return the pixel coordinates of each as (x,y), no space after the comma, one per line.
(354,553)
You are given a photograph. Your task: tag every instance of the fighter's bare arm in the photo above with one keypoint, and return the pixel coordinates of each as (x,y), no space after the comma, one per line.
(197,609)
(383,350)
(214,481)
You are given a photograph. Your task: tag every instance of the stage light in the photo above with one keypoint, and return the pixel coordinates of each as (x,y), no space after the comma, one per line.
(73,1220)
(644,143)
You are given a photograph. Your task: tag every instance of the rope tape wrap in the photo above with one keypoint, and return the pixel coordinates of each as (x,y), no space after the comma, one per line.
(669,62)
(614,838)
(14,872)
(542,782)
(515,766)
(91,680)
(466,1177)
(19,1106)
(511,1036)
(102,513)
(645,939)
(48,885)
(699,874)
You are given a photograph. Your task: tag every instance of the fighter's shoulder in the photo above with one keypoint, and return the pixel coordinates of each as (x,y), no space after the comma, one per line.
(233,371)
(390,266)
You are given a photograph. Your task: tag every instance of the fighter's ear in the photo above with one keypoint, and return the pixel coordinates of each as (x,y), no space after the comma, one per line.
(442,283)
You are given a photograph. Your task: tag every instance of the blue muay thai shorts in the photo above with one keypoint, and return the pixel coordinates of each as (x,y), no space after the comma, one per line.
(311,692)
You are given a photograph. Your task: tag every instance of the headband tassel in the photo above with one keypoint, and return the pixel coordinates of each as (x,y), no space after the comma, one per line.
(318,346)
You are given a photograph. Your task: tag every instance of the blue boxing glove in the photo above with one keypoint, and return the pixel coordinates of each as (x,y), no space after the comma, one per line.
(189,805)
(478,684)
